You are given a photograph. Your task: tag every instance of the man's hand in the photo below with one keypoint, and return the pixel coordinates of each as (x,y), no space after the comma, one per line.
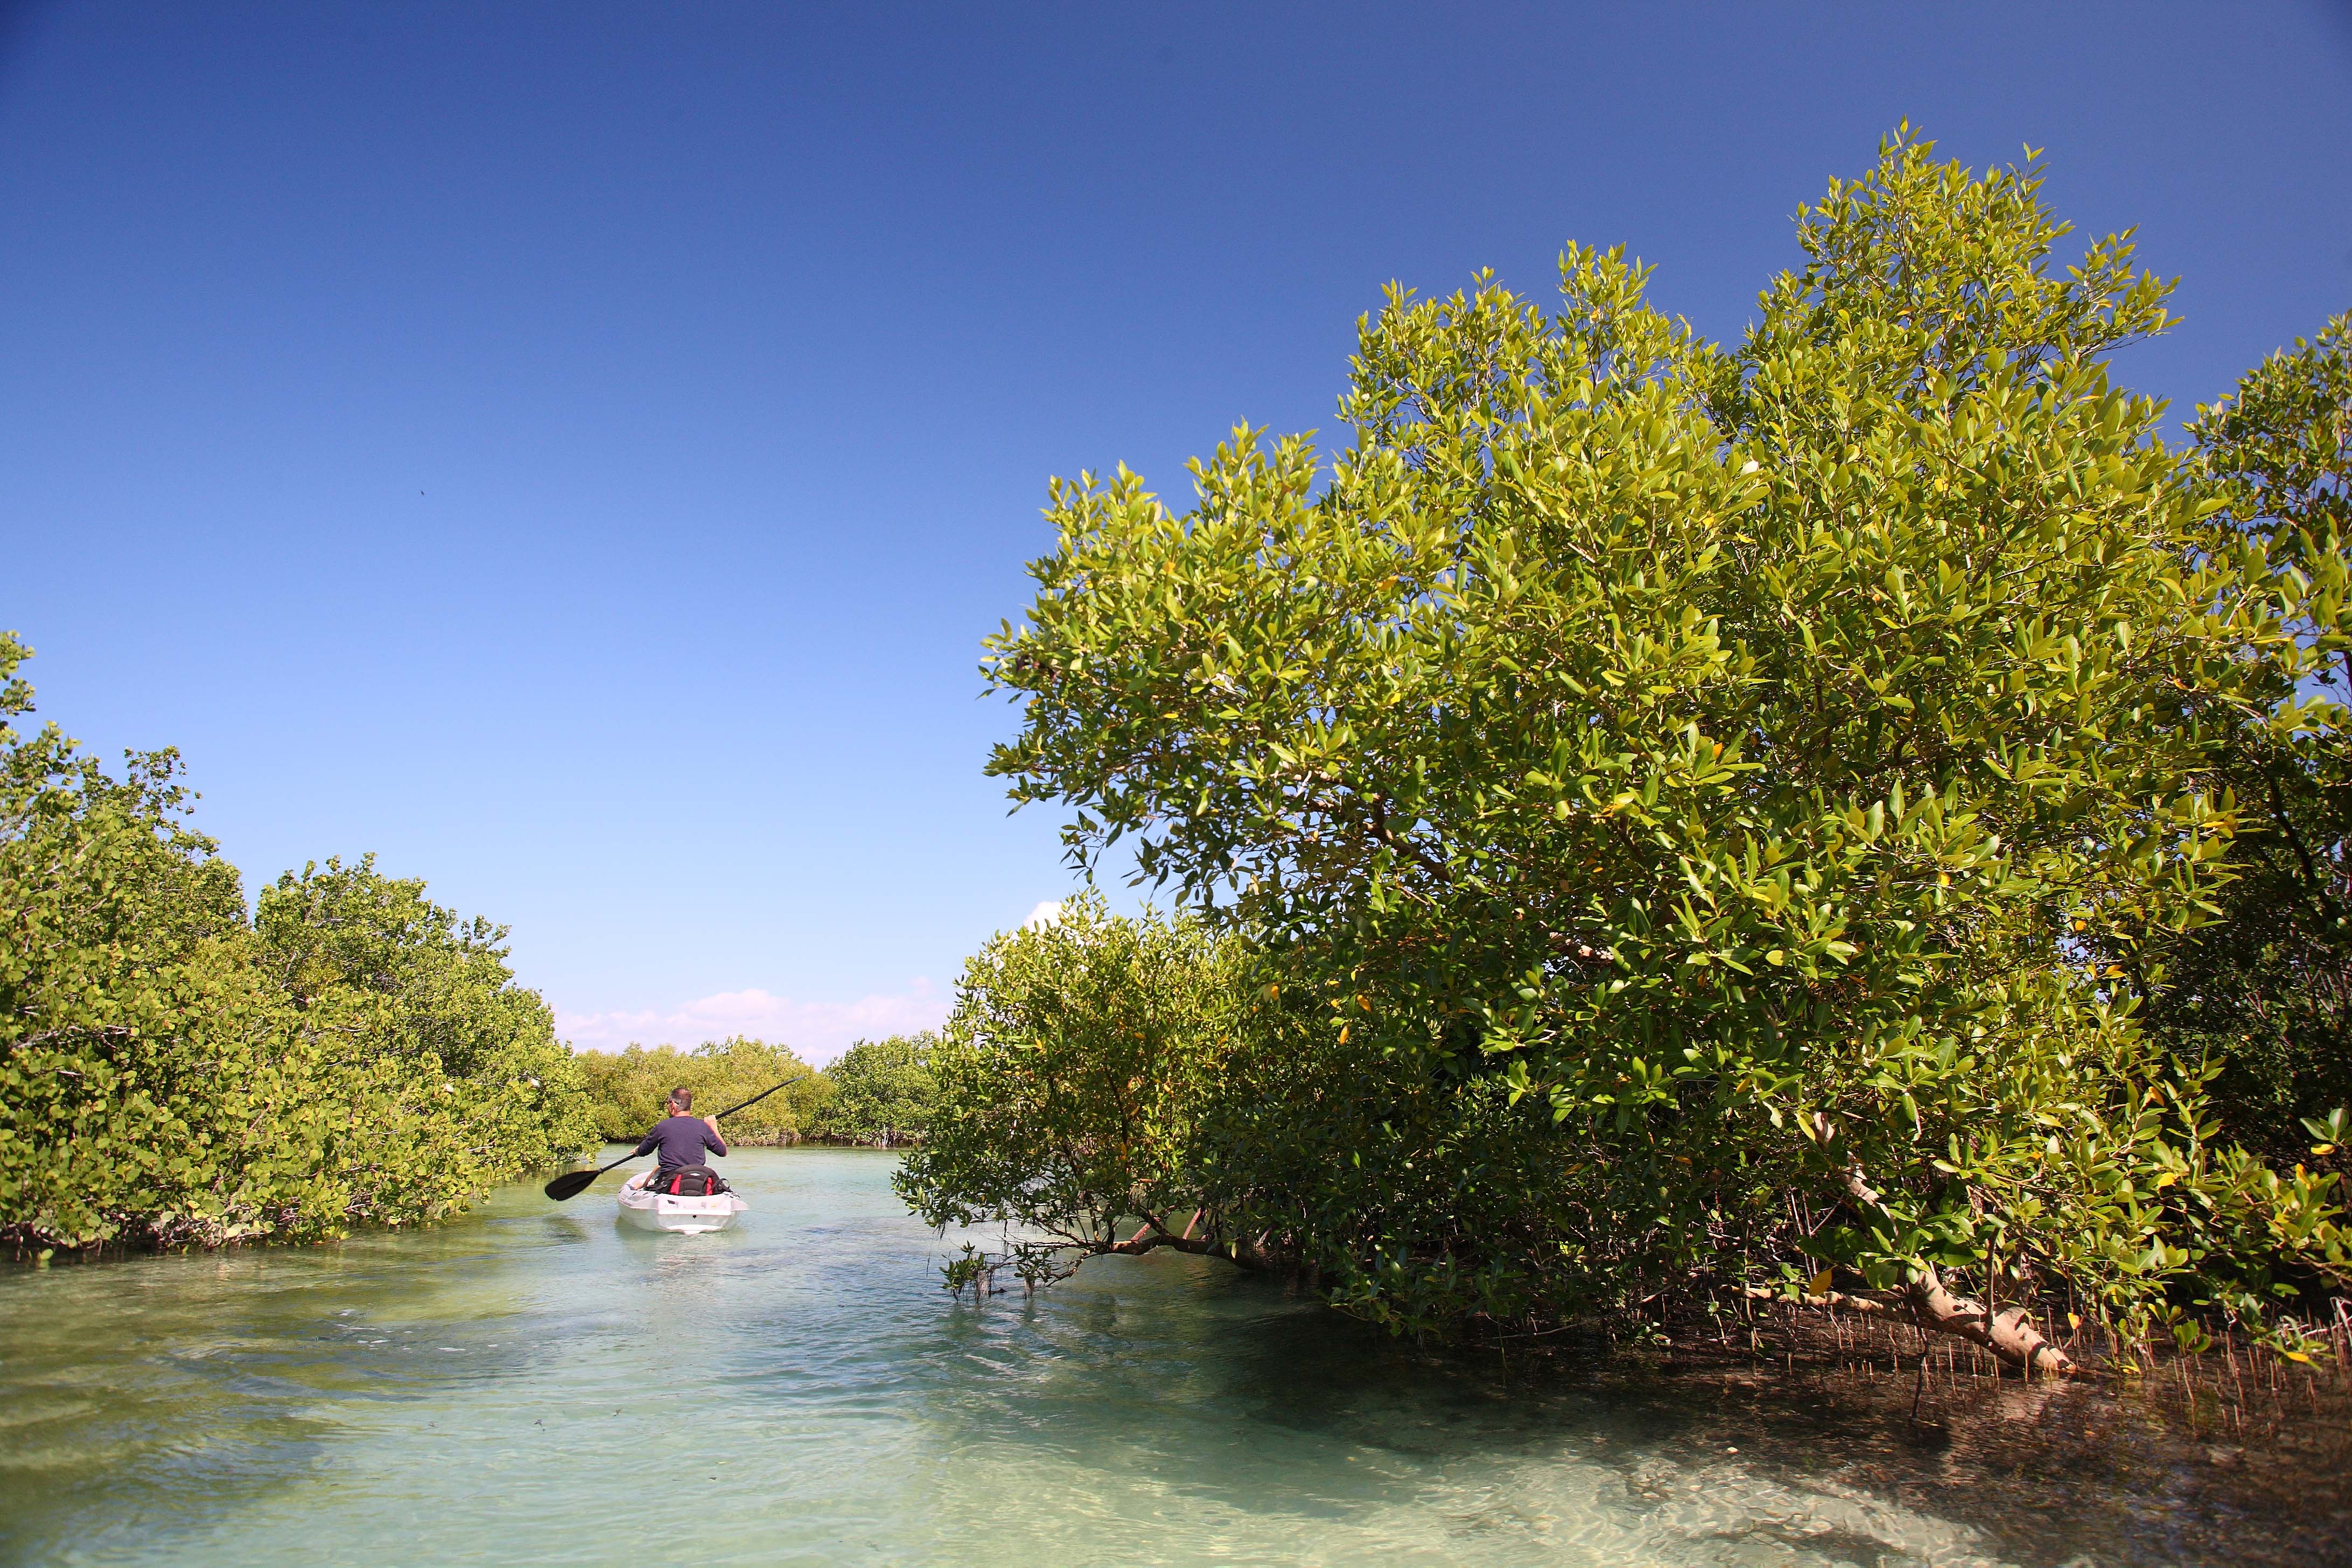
(711,1122)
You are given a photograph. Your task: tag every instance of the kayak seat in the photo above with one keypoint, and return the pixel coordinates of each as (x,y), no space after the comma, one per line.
(687,1182)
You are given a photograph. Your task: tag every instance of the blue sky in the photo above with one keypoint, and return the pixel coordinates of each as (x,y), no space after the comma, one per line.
(574,451)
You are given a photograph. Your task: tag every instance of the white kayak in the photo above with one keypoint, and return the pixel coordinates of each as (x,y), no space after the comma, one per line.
(678,1216)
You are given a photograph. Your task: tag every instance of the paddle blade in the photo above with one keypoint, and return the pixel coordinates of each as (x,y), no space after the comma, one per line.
(571,1185)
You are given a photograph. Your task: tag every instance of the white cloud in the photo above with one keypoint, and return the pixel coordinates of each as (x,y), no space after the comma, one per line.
(1045,914)
(819,1031)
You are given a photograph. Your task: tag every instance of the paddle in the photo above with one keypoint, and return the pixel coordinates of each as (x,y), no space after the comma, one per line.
(572,1184)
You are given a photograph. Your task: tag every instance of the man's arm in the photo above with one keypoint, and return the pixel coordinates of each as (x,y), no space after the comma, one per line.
(646,1145)
(711,1139)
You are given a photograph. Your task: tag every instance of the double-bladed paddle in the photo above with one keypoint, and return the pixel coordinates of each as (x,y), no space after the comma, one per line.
(572,1184)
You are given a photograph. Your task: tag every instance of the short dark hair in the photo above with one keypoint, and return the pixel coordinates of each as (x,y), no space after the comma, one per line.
(682,1098)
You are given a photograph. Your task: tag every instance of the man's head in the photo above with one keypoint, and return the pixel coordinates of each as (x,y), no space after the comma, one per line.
(682,1100)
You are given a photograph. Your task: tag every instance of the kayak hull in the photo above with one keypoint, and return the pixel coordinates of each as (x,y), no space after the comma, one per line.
(666,1215)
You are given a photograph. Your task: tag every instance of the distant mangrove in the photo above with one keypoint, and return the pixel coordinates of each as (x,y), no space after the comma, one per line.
(878,1091)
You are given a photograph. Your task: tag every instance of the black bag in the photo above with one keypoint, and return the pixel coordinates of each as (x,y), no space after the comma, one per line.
(689,1181)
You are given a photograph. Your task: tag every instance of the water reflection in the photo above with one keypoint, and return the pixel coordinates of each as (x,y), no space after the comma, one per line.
(537,1384)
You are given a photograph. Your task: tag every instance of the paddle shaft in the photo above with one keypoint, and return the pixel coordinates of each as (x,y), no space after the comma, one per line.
(614,1166)
(753,1100)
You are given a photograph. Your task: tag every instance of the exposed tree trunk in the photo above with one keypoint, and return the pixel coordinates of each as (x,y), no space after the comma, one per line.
(2010,1335)
(1152,1235)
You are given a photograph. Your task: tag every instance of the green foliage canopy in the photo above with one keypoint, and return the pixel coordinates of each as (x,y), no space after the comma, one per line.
(170,1075)
(2266,988)
(371,958)
(883,1089)
(1069,1076)
(1679,791)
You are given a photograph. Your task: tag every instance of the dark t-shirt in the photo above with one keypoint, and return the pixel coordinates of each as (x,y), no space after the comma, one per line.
(681,1139)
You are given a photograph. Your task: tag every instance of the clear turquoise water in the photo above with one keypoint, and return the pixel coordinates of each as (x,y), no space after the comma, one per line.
(535,1385)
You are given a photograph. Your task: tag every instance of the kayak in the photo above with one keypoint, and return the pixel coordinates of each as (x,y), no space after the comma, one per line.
(678,1216)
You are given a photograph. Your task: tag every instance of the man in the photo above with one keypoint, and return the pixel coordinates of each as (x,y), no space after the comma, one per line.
(680,1139)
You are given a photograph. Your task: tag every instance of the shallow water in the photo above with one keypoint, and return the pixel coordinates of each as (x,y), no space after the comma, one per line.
(534,1384)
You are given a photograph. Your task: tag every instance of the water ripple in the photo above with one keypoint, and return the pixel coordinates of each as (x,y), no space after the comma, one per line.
(536,1386)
